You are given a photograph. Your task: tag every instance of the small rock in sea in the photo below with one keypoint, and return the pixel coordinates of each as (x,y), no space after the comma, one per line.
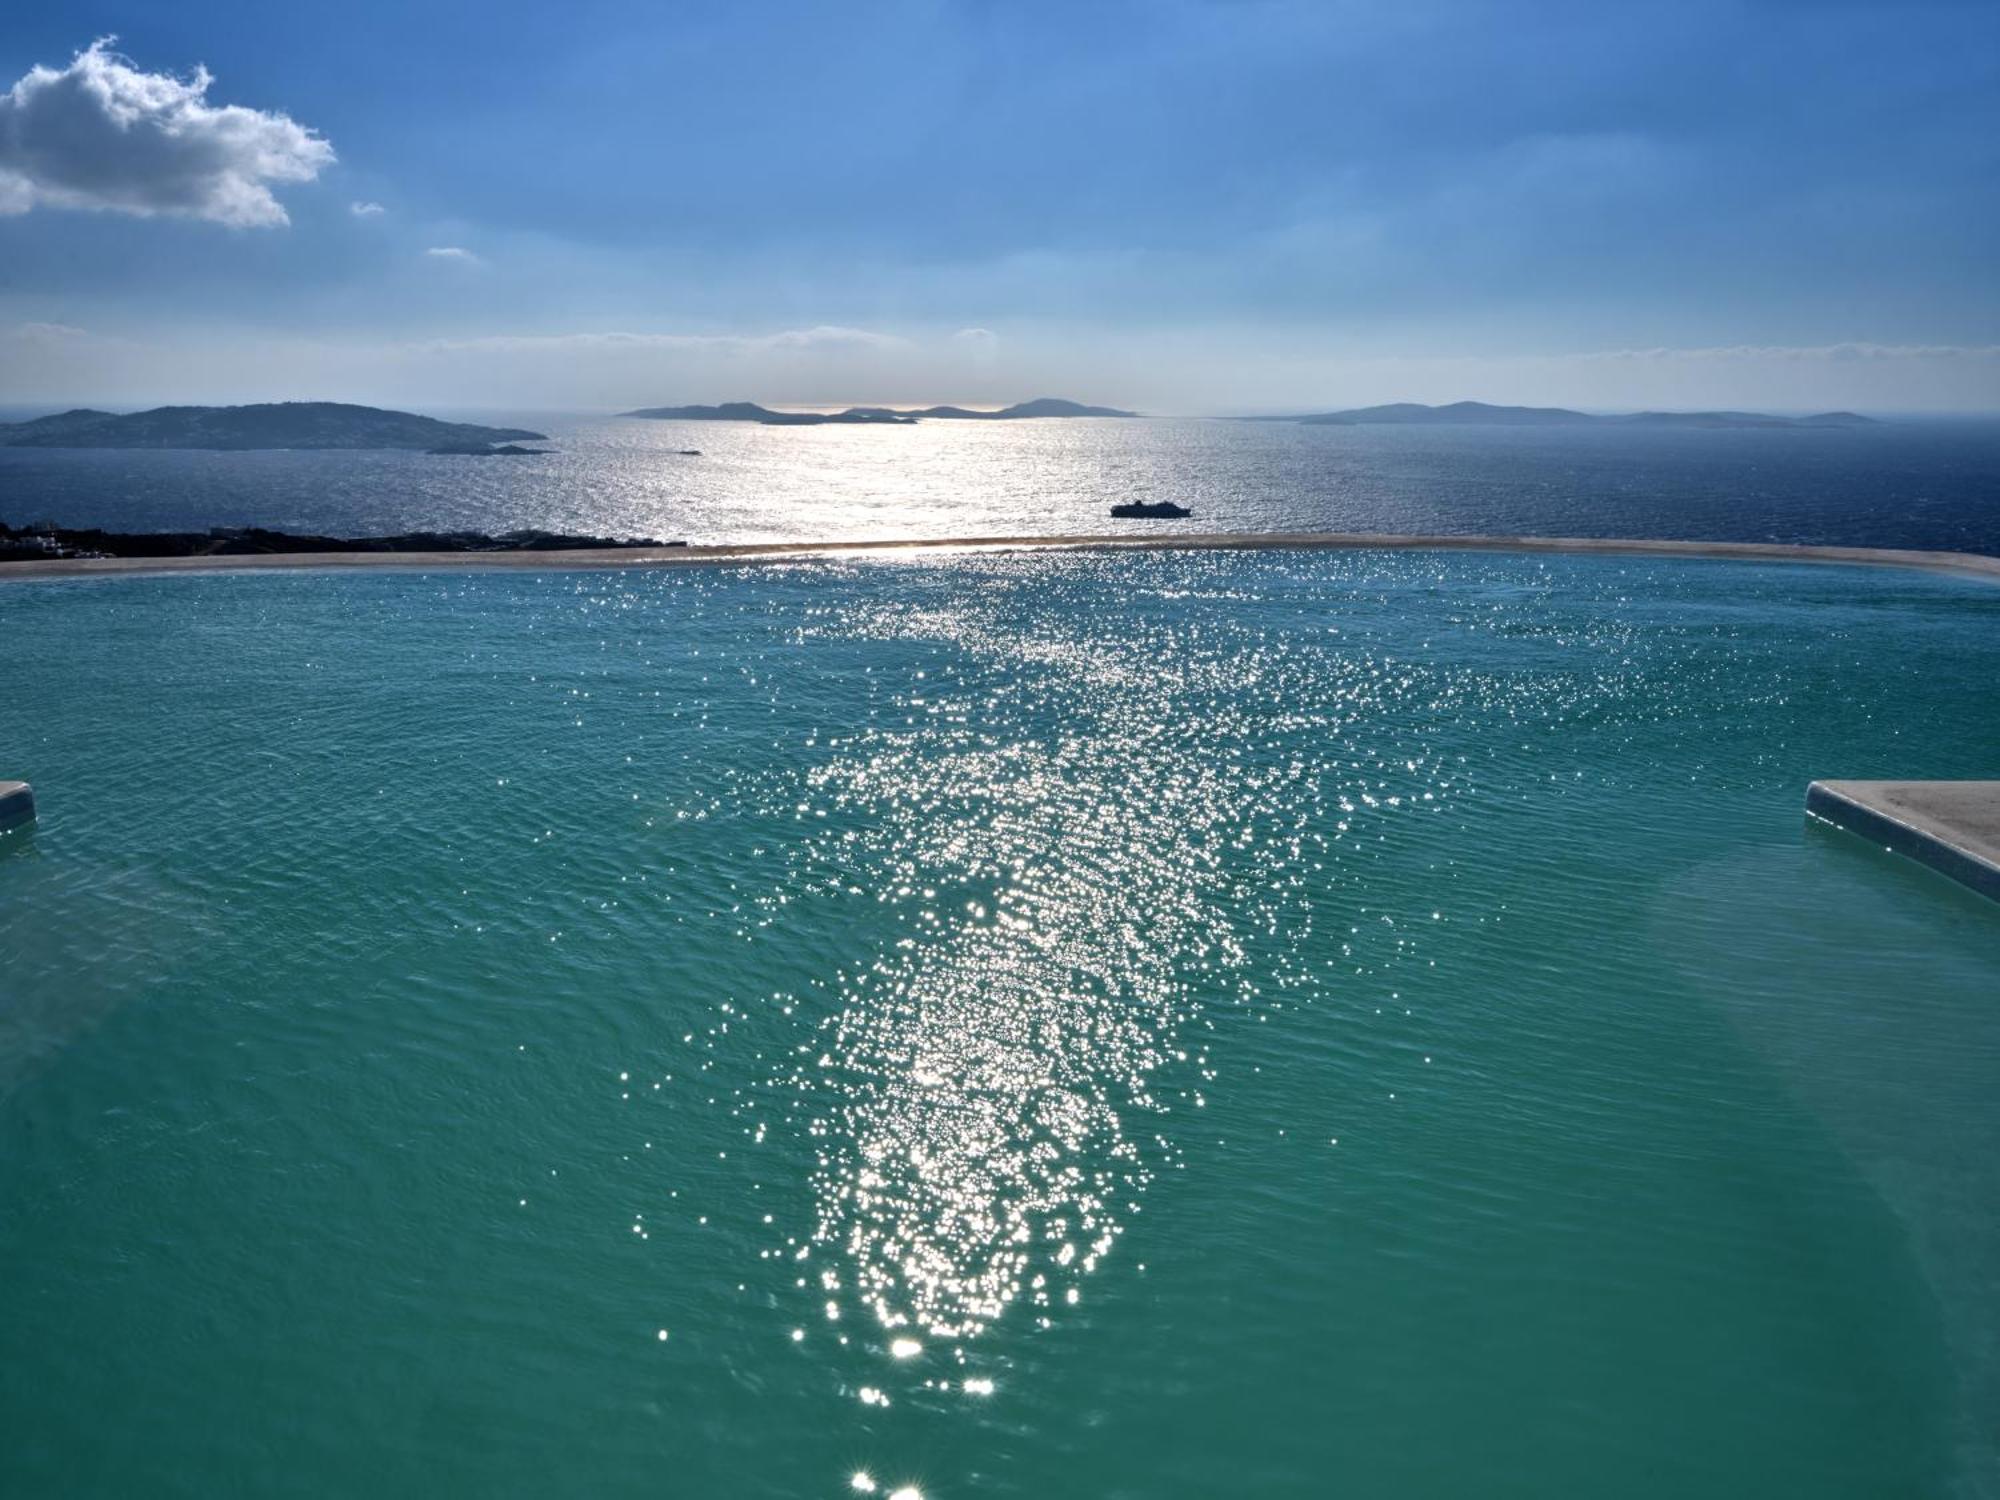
(483,450)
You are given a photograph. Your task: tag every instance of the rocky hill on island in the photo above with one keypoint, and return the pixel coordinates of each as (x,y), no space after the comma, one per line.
(282,424)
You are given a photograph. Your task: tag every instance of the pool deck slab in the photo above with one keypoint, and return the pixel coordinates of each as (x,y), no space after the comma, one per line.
(1963,564)
(1951,826)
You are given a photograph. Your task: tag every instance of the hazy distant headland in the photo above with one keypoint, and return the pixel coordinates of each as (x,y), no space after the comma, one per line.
(286,424)
(885,416)
(1479,414)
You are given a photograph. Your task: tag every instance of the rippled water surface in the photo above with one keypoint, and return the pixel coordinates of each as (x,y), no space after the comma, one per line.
(1277,1024)
(1913,483)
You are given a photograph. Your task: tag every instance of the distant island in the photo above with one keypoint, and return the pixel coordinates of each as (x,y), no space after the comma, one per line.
(881,416)
(1479,414)
(1041,406)
(750,411)
(43,541)
(284,424)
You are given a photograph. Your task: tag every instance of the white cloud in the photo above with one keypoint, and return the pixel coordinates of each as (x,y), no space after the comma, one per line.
(48,332)
(828,336)
(980,346)
(102,135)
(364,210)
(453,253)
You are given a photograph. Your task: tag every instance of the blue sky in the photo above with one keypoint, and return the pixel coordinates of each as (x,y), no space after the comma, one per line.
(1183,206)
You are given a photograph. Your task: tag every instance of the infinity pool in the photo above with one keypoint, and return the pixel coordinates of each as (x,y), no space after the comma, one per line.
(1055,1025)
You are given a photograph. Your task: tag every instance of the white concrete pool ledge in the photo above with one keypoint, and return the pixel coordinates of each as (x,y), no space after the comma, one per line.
(1963,564)
(1951,826)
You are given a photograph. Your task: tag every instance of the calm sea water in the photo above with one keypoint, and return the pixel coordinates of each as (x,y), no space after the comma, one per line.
(1271,1024)
(1907,484)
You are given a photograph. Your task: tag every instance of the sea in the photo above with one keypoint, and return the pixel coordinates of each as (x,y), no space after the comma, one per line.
(1931,484)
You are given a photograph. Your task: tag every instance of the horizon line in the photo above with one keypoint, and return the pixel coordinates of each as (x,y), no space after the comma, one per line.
(10,410)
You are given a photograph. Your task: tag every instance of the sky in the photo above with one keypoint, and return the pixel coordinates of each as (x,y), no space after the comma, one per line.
(1177,205)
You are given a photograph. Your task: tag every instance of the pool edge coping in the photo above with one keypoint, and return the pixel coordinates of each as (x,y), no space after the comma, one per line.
(1957,564)
(1870,810)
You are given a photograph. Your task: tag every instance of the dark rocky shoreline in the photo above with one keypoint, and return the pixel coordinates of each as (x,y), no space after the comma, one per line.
(43,541)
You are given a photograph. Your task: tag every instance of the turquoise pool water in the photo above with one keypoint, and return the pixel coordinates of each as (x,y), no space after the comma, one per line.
(1279,1024)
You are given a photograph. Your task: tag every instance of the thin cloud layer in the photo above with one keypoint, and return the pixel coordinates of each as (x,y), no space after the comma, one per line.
(1836,353)
(820,338)
(102,135)
(51,364)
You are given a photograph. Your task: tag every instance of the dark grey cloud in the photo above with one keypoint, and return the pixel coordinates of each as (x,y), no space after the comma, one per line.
(100,134)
